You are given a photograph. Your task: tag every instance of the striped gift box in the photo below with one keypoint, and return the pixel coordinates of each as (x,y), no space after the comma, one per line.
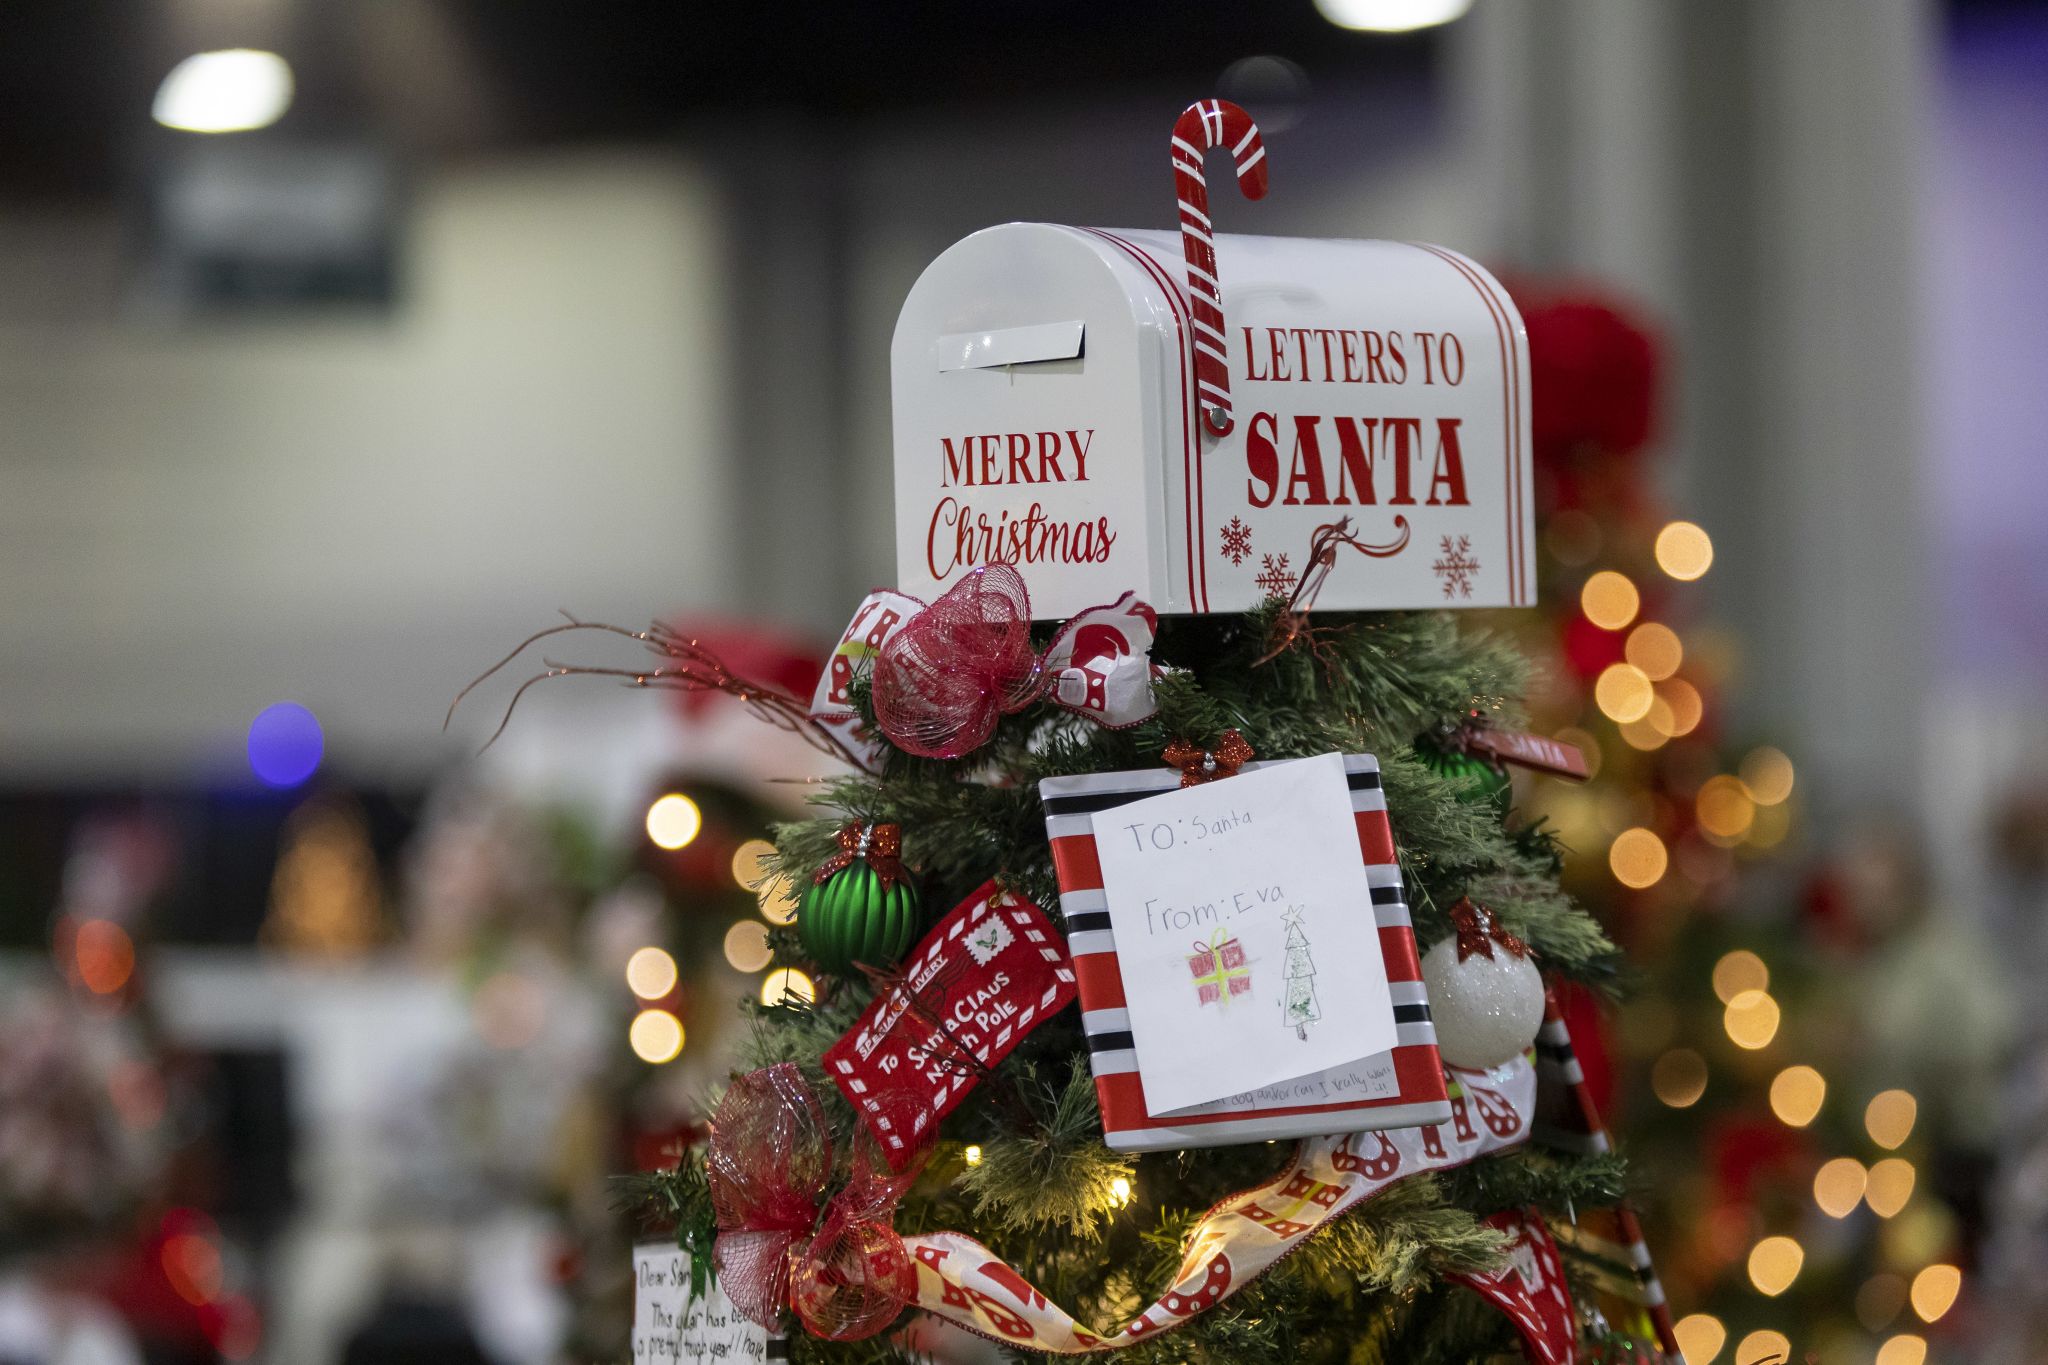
(1418,1097)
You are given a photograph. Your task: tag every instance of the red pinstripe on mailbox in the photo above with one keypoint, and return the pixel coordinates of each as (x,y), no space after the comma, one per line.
(1176,413)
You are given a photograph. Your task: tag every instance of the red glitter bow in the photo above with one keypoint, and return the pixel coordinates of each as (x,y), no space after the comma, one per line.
(1478,930)
(879,846)
(842,1269)
(1197,766)
(953,670)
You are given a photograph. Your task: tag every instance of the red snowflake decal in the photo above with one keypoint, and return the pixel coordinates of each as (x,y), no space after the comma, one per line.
(1237,541)
(1274,576)
(1455,566)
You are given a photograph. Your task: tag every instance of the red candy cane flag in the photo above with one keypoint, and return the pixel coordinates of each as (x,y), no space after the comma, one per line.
(1202,125)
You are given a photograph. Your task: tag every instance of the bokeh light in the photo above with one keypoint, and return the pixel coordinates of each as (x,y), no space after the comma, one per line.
(1903,1349)
(656,1036)
(1684,706)
(746,946)
(285,744)
(1934,1291)
(1751,1020)
(1764,1348)
(1622,693)
(1891,1185)
(104,956)
(1609,600)
(1737,972)
(673,821)
(192,1264)
(1767,773)
(787,985)
(1679,1078)
(1700,1338)
(651,973)
(231,91)
(1656,649)
(1684,551)
(749,863)
(1796,1095)
(1391,16)
(1587,746)
(778,900)
(1774,1263)
(1638,858)
(1838,1186)
(1888,1118)
(1723,807)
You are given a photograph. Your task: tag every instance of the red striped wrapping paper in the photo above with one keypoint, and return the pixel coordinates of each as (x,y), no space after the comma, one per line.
(1419,1095)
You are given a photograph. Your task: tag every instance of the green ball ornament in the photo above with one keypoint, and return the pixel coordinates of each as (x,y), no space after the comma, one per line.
(1477,780)
(852,917)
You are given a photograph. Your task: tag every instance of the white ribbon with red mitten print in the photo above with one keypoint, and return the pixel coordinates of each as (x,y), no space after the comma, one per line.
(962,1281)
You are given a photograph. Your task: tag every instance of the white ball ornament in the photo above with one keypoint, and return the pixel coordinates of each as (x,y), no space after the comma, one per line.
(1485,993)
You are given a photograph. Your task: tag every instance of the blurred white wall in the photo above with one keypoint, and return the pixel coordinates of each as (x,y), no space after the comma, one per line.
(198,520)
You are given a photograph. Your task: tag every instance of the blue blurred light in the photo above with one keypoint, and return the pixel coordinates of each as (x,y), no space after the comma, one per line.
(285,744)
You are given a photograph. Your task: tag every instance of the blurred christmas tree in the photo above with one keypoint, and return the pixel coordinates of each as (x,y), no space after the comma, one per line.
(1771,1114)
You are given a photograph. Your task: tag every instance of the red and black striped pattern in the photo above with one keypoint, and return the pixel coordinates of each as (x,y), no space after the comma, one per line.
(1205,124)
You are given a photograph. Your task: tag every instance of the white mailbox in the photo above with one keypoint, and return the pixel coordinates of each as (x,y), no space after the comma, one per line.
(1083,403)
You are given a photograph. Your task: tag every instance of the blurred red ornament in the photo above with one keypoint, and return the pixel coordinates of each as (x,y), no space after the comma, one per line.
(1592,377)
(1748,1154)
(1588,649)
(755,652)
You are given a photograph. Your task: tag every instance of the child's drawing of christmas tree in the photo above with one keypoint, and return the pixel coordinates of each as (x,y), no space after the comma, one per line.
(1298,1007)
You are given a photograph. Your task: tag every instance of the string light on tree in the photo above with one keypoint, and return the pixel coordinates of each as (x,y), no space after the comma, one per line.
(1838,1186)
(787,985)
(1700,1337)
(1684,551)
(1888,1118)
(1739,971)
(651,973)
(971,1154)
(673,821)
(749,863)
(1763,1347)
(656,1036)
(1934,1291)
(1774,1263)
(1751,1020)
(1891,1186)
(1120,1192)
(746,946)
(1797,1094)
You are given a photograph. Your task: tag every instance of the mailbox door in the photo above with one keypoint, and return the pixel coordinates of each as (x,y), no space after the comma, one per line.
(1031,418)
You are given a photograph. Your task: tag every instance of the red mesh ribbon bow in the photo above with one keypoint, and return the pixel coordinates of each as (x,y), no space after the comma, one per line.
(953,670)
(843,1270)
(1478,930)
(879,846)
(1197,766)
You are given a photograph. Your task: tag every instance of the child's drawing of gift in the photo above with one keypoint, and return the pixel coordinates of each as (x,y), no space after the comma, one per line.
(1220,969)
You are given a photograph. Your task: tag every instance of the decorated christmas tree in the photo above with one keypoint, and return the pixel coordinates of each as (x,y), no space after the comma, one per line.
(991,1100)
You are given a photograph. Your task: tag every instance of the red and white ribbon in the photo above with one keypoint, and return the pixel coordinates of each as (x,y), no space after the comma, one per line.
(1202,125)
(964,1282)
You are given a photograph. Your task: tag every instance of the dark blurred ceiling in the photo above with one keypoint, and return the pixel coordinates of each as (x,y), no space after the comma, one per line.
(444,77)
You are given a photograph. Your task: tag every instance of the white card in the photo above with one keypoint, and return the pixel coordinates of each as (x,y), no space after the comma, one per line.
(1244,932)
(672,1326)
